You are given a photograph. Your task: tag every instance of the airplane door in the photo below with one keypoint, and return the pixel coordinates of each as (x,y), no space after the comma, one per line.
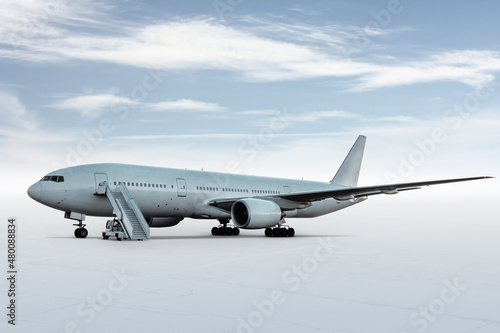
(181,187)
(286,189)
(100,183)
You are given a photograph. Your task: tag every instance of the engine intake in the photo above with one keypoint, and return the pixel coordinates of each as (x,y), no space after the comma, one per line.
(255,213)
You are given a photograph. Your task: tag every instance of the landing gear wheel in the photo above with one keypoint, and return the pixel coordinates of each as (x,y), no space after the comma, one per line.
(83,233)
(224,230)
(282,231)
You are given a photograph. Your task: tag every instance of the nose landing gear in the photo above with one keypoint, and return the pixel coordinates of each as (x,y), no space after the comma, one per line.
(81,232)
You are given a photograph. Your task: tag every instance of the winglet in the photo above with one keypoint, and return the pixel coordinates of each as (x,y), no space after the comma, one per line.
(348,172)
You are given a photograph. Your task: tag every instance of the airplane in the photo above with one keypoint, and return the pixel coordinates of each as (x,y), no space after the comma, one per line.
(143,197)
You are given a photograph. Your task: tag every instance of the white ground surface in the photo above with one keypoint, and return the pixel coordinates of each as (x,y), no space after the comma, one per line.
(404,263)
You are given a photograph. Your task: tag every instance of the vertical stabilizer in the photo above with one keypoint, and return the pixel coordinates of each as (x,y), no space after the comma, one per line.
(348,172)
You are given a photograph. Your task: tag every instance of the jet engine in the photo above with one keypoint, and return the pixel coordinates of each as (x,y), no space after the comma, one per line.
(255,213)
(162,222)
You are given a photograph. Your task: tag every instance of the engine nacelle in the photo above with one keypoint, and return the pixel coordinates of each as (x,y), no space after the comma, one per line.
(255,213)
(162,222)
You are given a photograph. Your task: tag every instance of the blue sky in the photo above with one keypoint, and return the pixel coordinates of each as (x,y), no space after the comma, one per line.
(278,88)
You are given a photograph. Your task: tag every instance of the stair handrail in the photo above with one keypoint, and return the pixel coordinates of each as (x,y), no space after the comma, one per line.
(127,227)
(116,210)
(133,205)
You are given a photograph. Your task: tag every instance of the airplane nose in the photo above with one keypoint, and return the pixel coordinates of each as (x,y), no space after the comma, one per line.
(35,191)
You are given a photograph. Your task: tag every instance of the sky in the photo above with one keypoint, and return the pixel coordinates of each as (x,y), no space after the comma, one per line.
(270,88)
(278,88)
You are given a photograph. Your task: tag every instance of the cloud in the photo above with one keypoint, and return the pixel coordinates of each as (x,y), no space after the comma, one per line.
(253,49)
(14,114)
(92,106)
(186,105)
(317,115)
(280,120)
(269,112)
(471,67)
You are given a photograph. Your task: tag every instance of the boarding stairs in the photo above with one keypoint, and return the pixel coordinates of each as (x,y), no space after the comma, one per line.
(127,213)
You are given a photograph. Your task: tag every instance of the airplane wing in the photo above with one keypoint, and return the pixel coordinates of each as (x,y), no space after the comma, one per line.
(303,199)
(354,192)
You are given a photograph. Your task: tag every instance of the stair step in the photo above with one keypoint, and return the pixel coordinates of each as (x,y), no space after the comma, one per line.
(136,220)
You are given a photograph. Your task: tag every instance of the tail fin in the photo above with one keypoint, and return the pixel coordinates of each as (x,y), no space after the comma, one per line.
(348,172)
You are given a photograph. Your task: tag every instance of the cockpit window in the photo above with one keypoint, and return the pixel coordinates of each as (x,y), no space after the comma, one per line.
(57,179)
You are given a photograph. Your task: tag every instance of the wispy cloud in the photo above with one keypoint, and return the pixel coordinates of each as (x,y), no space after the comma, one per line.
(317,116)
(185,105)
(214,136)
(13,114)
(93,105)
(471,67)
(269,112)
(256,50)
(286,119)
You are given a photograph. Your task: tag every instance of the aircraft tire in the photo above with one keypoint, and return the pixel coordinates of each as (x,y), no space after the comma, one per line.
(236,231)
(77,233)
(215,231)
(276,232)
(83,233)
(283,232)
(268,232)
(290,232)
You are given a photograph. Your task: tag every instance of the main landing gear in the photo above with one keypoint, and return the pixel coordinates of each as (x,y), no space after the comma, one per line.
(224,230)
(280,231)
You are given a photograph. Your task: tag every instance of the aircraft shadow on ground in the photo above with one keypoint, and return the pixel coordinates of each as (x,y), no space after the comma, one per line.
(152,238)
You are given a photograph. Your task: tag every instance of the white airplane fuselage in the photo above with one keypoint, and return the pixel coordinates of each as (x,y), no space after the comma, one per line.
(165,192)
(140,197)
